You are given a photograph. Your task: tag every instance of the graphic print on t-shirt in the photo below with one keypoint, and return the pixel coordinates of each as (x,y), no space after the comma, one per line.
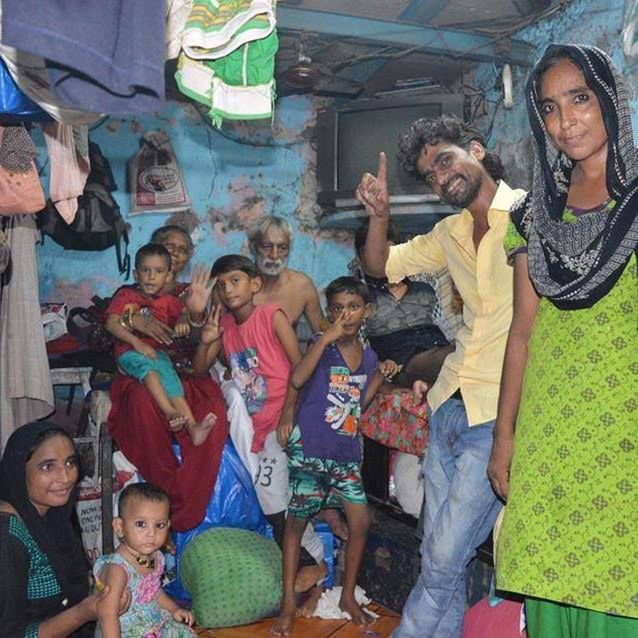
(251,385)
(344,393)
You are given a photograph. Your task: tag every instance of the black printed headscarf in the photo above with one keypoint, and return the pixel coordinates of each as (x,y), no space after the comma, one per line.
(54,533)
(577,263)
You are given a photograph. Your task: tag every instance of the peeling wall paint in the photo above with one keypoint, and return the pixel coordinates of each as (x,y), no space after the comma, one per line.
(233,178)
(594,22)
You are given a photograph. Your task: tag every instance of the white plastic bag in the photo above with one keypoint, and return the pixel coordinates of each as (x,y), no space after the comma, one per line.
(155,180)
(53,320)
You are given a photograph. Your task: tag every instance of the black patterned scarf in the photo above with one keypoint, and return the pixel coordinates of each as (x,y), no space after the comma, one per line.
(54,532)
(576,263)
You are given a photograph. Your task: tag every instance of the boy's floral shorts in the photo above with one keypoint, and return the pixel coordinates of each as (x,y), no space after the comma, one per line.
(317,484)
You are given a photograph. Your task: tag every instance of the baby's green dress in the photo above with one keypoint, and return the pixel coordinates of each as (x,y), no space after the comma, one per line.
(570,531)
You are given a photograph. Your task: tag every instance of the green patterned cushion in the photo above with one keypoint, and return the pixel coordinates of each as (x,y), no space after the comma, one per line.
(233,576)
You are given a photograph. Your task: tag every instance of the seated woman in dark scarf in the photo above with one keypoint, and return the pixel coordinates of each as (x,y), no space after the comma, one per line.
(140,428)
(402,326)
(44,585)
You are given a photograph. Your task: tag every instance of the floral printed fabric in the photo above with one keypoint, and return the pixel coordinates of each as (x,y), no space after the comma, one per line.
(395,421)
(569,532)
(144,618)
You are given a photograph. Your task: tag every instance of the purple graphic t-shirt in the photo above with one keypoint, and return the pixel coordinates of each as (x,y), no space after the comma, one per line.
(329,409)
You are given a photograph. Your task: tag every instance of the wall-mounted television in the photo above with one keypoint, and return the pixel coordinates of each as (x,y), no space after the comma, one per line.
(350,137)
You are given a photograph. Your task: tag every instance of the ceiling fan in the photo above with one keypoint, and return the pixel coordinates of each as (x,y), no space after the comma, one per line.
(307,75)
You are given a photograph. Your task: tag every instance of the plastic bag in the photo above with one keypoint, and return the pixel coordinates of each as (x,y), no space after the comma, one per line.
(155,180)
(14,102)
(53,320)
(233,504)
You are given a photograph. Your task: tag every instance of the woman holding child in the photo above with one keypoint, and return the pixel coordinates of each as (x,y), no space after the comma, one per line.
(568,541)
(142,430)
(44,585)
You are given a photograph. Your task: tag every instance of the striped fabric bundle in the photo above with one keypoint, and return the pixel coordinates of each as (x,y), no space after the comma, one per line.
(228,58)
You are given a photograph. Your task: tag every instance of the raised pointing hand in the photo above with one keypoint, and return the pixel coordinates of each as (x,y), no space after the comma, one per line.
(372,191)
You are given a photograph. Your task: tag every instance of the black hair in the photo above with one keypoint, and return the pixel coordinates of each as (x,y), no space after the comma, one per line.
(45,435)
(430,131)
(144,492)
(228,263)
(160,235)
(551,58)
(152,250)
(348,285)
(361,234)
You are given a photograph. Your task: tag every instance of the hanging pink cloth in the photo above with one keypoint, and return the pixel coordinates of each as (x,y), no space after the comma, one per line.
(69,156)
(20,189)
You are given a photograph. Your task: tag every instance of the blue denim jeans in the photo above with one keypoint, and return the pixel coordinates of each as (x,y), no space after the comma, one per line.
(459,512)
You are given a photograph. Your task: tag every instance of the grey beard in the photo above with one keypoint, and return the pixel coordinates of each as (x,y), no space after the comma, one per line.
(272,267)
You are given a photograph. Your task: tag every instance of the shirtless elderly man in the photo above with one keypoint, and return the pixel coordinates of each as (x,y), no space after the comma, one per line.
(270,240)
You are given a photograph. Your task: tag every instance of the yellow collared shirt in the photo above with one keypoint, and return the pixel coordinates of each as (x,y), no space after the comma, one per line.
(485,282)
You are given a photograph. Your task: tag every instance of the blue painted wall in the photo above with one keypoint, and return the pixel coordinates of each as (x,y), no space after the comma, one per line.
(232,183)
(595,22)
(232,178)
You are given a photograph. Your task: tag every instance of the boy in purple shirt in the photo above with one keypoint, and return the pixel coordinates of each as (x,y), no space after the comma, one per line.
(337,378)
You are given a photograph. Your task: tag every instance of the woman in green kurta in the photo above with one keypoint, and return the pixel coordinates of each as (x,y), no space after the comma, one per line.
(569,539)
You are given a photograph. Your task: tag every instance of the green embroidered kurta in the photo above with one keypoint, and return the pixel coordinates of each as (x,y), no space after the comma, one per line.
(569,533)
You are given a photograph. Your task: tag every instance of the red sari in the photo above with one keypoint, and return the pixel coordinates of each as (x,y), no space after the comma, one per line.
(141,431)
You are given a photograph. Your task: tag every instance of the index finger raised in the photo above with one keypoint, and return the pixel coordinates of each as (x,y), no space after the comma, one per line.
(382,171)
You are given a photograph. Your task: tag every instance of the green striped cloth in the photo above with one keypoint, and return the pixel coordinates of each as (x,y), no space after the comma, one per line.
(228,58)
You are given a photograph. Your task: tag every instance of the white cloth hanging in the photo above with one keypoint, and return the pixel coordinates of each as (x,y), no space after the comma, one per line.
(26,392)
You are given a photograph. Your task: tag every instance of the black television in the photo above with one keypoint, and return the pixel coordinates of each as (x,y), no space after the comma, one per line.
(349,139)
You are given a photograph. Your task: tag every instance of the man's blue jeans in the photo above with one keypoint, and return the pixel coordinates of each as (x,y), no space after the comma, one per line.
(459,512)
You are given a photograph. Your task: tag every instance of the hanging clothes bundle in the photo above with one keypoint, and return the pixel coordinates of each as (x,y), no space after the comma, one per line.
(26,392)
(228,58)
(20,189)
(29,73)
(68,148)
(102,57)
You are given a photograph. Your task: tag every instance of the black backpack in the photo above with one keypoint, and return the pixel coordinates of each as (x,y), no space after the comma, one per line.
(98,224)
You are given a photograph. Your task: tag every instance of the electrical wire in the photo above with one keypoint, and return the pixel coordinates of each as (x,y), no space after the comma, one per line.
(239,140)
(488,134)
(504,34)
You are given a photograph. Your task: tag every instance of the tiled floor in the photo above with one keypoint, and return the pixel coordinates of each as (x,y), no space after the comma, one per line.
(314,628)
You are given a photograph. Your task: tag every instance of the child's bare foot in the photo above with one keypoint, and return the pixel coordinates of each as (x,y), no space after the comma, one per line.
(308,607)
(336,522)
(177,422)
(283,625)
(358,614)
(200,431)
(309,576)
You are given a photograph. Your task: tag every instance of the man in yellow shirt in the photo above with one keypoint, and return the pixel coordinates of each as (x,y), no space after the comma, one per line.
(459,505)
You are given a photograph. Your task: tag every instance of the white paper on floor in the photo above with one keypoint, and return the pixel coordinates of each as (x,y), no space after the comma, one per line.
(328,605)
